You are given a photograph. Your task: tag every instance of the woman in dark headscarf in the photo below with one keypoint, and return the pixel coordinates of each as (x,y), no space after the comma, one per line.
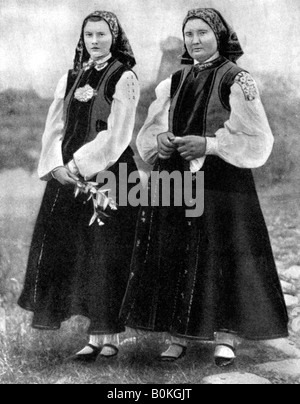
(213,276)
(75,268)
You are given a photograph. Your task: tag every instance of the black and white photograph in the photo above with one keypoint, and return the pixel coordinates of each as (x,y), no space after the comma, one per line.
(149,194)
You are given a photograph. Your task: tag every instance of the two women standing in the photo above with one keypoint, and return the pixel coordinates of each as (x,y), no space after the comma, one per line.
(195,278)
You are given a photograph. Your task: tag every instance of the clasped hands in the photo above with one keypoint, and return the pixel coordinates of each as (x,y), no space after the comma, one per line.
(65,176)
(189,147)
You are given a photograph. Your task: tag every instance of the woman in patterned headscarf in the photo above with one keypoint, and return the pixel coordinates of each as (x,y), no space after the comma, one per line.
(215,275)
(74,268)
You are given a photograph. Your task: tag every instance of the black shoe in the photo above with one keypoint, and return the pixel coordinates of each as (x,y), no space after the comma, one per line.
(171,359)
(86,358)
(223,362)
(110,356)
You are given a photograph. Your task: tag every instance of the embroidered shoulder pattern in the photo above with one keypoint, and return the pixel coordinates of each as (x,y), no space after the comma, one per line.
(248,85)
(131,89)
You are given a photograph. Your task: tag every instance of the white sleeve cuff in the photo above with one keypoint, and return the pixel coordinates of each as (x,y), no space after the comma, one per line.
(73,167)
(212,146)
(54,171)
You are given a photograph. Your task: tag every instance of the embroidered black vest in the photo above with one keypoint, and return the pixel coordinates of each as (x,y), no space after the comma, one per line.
(200,101)
(200,106)
(84,120)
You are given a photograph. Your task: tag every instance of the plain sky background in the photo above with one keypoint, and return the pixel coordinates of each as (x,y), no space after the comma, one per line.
(38,37)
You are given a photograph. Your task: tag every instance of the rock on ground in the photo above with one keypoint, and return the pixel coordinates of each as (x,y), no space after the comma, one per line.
(296,325)
(291,301)
(235,378)
(2,322)
(295,312)
(285,346)
(288,288)
(292,273)
(280,267)
(286,368)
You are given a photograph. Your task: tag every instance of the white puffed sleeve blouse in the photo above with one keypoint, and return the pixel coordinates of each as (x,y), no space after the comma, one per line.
(245,141)
(105,150)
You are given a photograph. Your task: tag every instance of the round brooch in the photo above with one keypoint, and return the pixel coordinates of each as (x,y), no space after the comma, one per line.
(85,94)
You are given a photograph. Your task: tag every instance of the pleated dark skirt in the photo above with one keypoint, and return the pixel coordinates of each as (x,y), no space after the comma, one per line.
(195,277)
(74,269)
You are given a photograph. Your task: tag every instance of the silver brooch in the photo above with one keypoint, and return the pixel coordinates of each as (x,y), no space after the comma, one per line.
(85,94)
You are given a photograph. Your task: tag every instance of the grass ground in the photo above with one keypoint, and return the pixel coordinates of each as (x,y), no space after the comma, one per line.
(31,357)
(42,361)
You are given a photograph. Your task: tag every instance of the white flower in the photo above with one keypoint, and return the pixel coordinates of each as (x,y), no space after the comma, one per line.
(85,94)
(100,199)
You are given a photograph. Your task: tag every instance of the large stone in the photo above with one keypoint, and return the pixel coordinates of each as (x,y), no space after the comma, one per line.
(295,312)
(291,301)
(292,273)
(2,321)
(235,378)
(285,346)
(280,267)
(288,288)
(296,325)
(286,368)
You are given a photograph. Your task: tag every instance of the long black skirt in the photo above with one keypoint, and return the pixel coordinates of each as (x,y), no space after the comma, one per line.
(75,269)
(194,277)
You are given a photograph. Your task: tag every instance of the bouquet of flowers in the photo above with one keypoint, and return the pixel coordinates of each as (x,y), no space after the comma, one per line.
(100,197)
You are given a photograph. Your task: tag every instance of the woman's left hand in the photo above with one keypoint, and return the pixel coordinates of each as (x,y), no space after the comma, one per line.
(191,147)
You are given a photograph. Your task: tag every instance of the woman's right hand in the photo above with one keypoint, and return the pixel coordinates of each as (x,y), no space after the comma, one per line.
(65,177)
(165,145)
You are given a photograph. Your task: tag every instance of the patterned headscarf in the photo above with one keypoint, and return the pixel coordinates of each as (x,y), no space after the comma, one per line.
(121,48)
(228,43)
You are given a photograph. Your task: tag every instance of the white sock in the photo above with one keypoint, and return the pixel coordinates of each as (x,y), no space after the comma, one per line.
(224,338)
(179,341)
(224,352)
(95,340)
(174,351)
(112,339)
(100,340)
(176,348)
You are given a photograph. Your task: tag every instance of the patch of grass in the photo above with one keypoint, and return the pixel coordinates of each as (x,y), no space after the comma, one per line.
(283,220)
(22,121)
(32,357)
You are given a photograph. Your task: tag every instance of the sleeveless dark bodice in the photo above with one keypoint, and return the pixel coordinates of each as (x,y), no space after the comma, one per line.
(84,120)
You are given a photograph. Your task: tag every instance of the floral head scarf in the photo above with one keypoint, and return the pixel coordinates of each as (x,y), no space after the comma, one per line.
(121,48)
(229,45)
